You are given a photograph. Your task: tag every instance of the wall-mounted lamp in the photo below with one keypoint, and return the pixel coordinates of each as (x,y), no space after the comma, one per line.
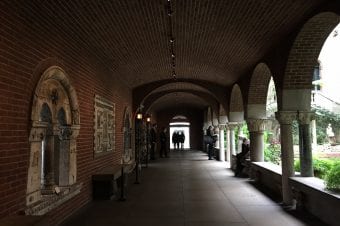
(148,118)
(139,116)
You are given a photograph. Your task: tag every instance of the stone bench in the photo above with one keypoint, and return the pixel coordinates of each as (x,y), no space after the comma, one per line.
(105,182)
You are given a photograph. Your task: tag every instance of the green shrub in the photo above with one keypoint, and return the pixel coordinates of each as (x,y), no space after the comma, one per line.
(272,153)
(321,167)
(332,179)
(297,167)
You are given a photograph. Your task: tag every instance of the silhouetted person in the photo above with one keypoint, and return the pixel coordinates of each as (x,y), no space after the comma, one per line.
(241,157)
(210,141)
(181,138)
(153,140)
(175,139)
(163,137)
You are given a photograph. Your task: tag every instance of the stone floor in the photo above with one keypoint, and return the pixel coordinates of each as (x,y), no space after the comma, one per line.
(187,189)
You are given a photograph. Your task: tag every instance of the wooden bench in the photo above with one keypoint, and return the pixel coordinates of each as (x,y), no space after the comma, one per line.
(105,181)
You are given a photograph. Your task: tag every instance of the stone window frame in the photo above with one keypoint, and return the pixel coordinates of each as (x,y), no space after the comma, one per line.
(39,199)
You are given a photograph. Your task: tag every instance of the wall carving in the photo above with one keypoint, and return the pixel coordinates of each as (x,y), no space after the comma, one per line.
(52,170)
(104,126)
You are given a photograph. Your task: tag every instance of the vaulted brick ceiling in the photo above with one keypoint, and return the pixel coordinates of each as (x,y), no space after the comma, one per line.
(215,40)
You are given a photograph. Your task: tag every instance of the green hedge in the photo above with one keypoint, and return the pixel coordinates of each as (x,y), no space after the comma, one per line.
(327,169)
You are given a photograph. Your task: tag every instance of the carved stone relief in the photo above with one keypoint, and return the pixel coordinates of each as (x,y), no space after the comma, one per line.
(104,125)
(55,127)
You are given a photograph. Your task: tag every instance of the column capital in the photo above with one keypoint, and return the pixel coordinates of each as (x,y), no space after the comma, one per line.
(285,117)
(256,125)
(222,126)
(38,131)
(232,125)
(305,117)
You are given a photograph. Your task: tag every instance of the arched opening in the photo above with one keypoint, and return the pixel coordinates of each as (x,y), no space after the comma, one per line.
(272,151)
(179,130)
(302,87)
(55,127)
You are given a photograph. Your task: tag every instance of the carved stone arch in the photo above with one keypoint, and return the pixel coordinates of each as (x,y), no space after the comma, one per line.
(236,113)
(52,169)
(127,131)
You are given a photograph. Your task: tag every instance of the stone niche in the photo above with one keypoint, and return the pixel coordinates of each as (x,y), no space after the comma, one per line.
(104,126)
(55,126)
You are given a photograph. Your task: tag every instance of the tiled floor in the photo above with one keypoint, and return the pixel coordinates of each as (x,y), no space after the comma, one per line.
(189,190)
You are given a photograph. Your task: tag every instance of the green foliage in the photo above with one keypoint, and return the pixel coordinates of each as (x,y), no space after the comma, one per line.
(297,167)
(244,129)
(327,169)
(321,167)
(332,179)
(295,131)
(324,117)
(272,153)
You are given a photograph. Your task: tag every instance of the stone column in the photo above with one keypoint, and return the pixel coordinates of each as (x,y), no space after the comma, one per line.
(217,133)
(314,137)
(286,119)
(256,128)
(221,143)
(305,143)
(73,154)
(232,127)
(227,141)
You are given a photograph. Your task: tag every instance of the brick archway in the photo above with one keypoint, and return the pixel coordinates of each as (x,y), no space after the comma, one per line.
(303,56)
(257,95)
(236,113)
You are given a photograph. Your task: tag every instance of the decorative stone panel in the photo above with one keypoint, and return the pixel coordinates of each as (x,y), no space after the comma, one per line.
(104,125)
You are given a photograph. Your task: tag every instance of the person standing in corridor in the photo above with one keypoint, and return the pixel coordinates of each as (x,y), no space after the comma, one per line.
(163,138)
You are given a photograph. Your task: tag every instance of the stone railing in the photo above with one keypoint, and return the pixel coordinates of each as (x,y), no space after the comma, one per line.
(309,192)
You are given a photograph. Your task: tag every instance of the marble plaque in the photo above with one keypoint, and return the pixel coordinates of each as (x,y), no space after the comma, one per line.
(104,125)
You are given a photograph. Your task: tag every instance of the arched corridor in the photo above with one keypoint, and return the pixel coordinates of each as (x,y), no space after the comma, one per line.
(89,89)
(188,190)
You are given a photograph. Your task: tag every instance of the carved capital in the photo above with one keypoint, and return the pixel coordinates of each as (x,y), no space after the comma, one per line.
(305,117)
(38,131)
(65,132)
(233,125)
(285,117)
(222,126)
(256,125)
(75,131)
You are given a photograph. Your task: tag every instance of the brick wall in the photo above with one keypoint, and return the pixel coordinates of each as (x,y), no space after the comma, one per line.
(306,49)
(259,84)
(27,48)
(236,100)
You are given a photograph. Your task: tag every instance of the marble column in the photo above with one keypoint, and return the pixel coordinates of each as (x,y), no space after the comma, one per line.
(221,141)
(314,137)
(256,129)
(216,134)
(232,127)
(286,119)
(227,141)
(305,143)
